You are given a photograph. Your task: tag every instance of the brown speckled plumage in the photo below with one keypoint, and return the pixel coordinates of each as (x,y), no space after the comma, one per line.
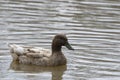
(40,56)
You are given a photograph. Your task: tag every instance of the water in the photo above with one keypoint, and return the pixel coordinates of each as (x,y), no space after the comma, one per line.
(92,27)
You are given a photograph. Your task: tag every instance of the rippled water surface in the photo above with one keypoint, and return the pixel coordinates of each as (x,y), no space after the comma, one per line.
(92,27)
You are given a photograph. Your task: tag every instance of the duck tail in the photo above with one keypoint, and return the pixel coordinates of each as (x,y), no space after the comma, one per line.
(16,51)
(11,47)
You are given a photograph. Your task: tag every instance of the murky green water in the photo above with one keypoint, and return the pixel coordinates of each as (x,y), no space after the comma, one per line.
(92,26)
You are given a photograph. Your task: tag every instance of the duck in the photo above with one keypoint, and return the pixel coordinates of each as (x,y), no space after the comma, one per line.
(41,56)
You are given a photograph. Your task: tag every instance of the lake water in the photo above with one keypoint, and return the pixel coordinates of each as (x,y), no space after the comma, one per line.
(92,27)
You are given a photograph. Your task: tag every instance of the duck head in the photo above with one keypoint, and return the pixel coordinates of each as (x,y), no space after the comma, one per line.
(59,41)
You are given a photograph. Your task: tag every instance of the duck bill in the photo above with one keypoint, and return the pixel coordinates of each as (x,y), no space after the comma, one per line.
(69,46)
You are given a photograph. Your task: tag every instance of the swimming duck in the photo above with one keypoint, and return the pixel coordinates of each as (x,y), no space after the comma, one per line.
(41,56)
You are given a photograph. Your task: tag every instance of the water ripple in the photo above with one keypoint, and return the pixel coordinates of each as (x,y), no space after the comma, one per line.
(92,28)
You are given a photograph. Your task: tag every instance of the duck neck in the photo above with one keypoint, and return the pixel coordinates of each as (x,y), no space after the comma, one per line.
(56,48)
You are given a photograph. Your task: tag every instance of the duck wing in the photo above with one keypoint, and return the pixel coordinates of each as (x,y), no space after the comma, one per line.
(38,52)
(29,51)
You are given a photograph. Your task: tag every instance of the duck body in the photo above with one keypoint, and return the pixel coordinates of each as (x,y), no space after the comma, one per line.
(41,56)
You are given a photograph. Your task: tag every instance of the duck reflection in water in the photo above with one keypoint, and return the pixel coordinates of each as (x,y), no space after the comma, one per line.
(56,72)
